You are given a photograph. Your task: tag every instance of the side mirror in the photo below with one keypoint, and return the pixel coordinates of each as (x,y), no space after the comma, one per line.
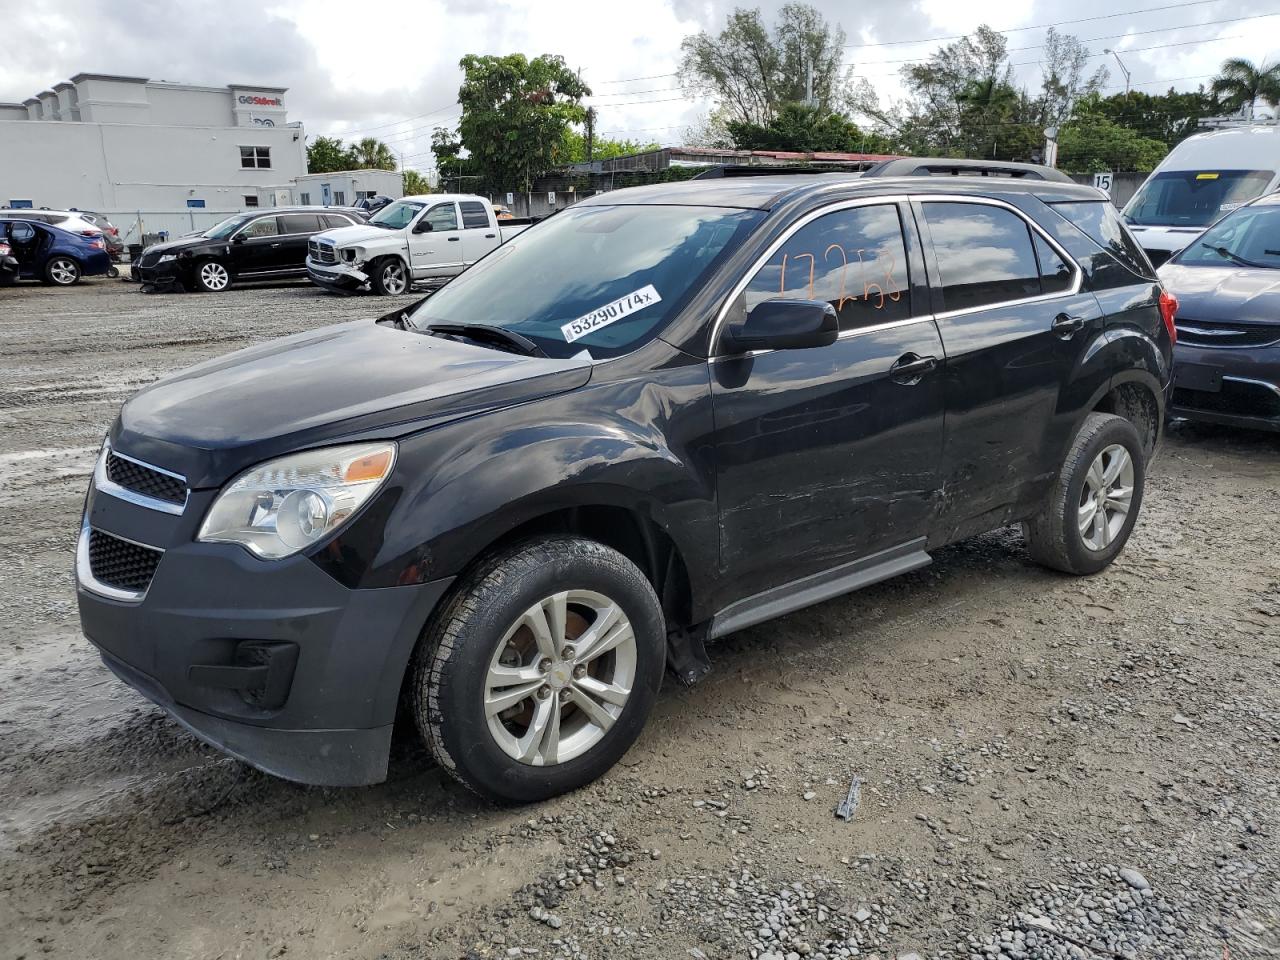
(424,226)
(784,325)
(239,238)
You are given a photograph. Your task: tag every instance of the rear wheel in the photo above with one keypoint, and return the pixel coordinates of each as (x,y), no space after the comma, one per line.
(1093,505)
(390,277)
(211,276)
(540,672)
(62,271)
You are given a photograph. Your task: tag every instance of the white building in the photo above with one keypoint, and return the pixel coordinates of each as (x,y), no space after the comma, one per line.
(173,155)
(345,187)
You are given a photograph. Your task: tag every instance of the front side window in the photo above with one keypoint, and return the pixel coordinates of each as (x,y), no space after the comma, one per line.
(984,254)
(1250,237)
(224,229)
(595,279)
(474,215)
(262,227)
(854,259)
(443,216)
(255,158)
(1194,198)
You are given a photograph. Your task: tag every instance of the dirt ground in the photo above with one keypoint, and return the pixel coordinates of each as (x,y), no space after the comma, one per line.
(1048,767)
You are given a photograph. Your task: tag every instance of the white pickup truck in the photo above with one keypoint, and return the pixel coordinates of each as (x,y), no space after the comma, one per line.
(430,237)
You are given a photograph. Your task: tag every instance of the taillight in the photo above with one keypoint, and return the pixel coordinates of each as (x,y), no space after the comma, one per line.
(97,244)
(1168,311)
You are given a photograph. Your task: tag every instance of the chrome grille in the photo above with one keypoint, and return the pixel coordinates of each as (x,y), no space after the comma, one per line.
(322,252)
(1216,333)
(144,480)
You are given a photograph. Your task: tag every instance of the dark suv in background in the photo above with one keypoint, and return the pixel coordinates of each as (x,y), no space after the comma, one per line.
(261,245)
(663,415)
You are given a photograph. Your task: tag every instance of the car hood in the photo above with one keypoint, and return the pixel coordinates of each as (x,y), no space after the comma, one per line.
(357,380)
(1229,293)
(184,243)
(345,236)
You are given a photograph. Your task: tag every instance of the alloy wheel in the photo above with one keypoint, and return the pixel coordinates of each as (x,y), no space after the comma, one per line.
(560,677)
(1106,497)
(393,280)
(214,276)
(63,272)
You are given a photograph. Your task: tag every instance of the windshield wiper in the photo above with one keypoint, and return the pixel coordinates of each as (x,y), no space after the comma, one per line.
(483,332)
(1228,255)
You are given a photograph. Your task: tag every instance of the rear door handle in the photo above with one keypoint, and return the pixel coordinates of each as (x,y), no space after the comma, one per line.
(1067,326)
(454,239)
(910,367)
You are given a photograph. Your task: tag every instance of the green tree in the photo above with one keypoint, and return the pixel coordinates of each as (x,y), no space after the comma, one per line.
(1239,84)
(574,149)
(1169,117)
(515,112)
(327,155)
(1093,144)
(371,154)
(1062,76)
(415,183)
(753,72)
(806,129)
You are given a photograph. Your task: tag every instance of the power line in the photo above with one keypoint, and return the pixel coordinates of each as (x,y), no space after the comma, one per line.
(1042,26)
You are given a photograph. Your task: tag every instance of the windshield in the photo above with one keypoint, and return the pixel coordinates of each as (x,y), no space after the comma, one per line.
(1194,198)
(220,231)
(1250,237)
(604,279)
(397,215)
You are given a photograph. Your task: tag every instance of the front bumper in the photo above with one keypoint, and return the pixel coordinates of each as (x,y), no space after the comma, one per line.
(1233,386)
(336,276)
(274,662)
(160,274)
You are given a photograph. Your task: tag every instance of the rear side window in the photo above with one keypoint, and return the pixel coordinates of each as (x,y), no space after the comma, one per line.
(854,259)
(333,220)
(1055,275)
(1101,221)
(474,215)
(984,254)
(299,223)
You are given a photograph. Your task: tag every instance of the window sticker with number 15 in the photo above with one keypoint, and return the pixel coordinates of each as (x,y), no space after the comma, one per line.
(610,313)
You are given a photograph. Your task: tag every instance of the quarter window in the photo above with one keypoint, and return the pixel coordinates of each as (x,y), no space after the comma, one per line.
(854,259)
(442,217)
(474,215)
(984,254)
(255,158)
(332,220)
(299,223)
(262,227)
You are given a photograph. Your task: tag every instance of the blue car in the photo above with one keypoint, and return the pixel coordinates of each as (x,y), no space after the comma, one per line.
(51,254)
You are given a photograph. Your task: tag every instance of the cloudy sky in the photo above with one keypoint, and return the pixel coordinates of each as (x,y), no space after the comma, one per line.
(391,69)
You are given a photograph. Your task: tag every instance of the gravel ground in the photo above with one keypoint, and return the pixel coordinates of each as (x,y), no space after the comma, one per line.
(1048,767)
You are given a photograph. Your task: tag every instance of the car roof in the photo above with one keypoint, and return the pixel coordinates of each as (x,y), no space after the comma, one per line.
(767,192)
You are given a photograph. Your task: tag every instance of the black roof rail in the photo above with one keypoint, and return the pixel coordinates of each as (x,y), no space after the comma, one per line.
(782,170)
(943,166)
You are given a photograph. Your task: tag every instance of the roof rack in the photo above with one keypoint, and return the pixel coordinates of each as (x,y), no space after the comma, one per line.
(780,170)
(942,166)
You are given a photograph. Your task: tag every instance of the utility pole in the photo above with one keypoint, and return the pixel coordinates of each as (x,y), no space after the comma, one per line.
(1123,69)
(591,132)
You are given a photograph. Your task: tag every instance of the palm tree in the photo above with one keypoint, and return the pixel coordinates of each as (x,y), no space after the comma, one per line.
(372,154)
(1239,84)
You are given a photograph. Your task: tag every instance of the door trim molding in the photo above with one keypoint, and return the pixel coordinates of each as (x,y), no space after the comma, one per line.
(817,587)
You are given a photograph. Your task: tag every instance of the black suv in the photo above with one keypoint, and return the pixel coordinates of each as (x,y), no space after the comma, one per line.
(664,414)
(264,245)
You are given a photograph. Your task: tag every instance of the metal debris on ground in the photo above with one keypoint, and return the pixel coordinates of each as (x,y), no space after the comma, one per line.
(849,805)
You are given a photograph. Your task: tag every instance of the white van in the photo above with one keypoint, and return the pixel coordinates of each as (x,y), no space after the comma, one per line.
(1203,178)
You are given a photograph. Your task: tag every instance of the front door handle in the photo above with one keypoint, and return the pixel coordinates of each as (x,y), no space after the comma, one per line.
(1067,326)
(910,367)
(274,245)
(454,239)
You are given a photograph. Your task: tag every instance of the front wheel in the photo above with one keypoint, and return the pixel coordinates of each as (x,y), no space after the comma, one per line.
(62,272)
(539,673)
(390,277)
(1092,507)
(211,276)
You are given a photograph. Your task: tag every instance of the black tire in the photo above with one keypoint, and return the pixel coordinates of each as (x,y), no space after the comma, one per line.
(211,276)
(62,272)
(389,277)
(1054,537)
(451,666)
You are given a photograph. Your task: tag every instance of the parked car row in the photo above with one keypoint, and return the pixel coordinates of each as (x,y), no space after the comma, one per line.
(56,254)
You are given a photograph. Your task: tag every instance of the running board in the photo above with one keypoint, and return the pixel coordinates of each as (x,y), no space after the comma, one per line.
(818,587)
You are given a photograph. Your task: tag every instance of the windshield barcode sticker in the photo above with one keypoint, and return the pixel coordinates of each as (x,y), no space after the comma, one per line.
(609,313)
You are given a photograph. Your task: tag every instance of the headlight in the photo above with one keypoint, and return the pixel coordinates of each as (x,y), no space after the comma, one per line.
(352,254)
(166,257)
(283,506)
